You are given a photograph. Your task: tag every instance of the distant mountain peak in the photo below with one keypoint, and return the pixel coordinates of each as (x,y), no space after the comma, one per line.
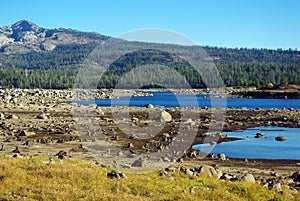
(25,25)
(25,36)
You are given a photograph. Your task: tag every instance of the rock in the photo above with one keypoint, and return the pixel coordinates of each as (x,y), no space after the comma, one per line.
(149,106)
(248,178)
(26,133)
(259,135)
(189,172)
(276,187)
(12,116)
(16,150)
(2,116)
(113,174)
(17,155)
(280,138)
(210,171)
(165,116)
(295,176)
(41,116)
(138,163)
(130,145)
(61,154)
(221,157)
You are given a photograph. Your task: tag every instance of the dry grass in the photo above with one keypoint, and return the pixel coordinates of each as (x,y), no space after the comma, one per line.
(33,179)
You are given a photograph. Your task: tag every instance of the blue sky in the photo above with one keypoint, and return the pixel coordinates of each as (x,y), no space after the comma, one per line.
(223,23)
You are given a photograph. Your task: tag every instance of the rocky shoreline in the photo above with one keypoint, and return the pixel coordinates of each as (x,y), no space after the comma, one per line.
(32,124)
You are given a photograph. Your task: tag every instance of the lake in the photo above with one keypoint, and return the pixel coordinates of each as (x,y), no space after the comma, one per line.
(263,148)
(168,99)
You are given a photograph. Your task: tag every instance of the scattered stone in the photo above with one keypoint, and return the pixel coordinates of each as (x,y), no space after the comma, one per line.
(222,157)
(113,174)
(295,176)
(12,116)
(61,154)
(209,171)
(17,155)
(16,150)
(138,163)
(26,133)
(149,106)
(276,187)
(189,172)
(130,145)
(259,135)
(248,178)
(280,138)
(41,116)
(165,116)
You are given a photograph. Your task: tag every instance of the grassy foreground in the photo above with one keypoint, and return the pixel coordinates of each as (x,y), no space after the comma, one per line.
(34,179)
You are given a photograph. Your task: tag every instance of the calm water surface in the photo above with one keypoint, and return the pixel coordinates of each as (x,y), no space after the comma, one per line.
(168,99)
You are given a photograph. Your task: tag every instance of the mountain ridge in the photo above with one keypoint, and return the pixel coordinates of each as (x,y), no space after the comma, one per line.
(25,36)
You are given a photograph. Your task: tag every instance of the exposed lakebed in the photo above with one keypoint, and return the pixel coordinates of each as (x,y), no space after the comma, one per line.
(265,147)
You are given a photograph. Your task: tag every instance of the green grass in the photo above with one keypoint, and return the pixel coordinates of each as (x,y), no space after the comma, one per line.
(32,179)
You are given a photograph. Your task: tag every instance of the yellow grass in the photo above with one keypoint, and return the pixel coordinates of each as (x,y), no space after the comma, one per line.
(33,179)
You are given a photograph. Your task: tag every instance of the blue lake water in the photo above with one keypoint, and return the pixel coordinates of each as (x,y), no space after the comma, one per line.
(168,99)
(263,148)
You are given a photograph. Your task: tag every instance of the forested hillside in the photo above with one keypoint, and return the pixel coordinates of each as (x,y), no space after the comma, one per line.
(238,67)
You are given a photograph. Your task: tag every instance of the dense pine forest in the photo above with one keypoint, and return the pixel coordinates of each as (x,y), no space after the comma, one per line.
(238,67)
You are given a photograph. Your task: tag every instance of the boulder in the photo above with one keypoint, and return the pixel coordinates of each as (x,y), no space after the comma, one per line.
(295,176)
(221,157)
(248,178)
(210,171)
(113,174)
(149,106)
(259,135)
(26,133)
(61,154)
(41,116)
(280,138)
(138,163)
(165,116)
(188,172)
(276,187)
(12,116)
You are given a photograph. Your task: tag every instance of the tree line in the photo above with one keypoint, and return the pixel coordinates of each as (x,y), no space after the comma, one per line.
(59,68)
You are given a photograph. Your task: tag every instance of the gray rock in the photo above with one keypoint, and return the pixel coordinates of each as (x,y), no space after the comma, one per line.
(26,133)
(210,171)
(113,174)
(221,157)
(149,106)
(12,116)
(165,116)
(189,172)
(138,163)
(248,178)
(41,116)
(277,187)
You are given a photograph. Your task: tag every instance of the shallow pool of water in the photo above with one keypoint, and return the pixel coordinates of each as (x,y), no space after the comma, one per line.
(265,147)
